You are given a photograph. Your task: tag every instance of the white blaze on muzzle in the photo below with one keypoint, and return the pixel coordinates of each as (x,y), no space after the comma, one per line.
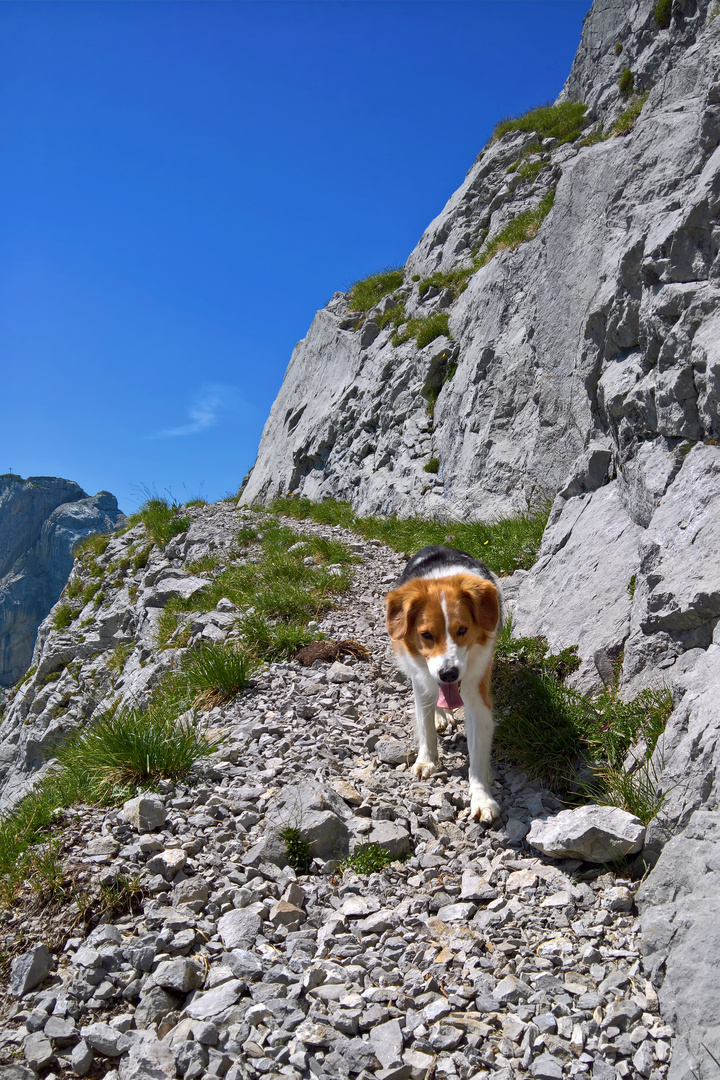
(455,656)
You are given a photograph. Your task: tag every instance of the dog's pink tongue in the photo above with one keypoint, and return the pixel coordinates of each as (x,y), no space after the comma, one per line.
(449,696)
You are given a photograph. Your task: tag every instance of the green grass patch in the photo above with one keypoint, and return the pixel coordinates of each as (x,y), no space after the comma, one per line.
(369,859)
(562,122)
(327,512)
(424,329)
(274,639)
(217,672)
(456,280)
(131,748)
(92,546)
(364,295)
(626,83)
(103,764)
(64,616)
(297,850)
(205,565)
(597,136)
(432,466)
(119,656)
(662,13)
(246,535)
(573,743)
(626,120)
(162,520)
(195,502)
(90,591)
(505,546)
(75,589)
(618,48)
(520,229)
(530,169)
(282,593)
(141,556)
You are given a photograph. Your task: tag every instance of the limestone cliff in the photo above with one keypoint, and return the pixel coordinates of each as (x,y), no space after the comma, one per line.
(41,520)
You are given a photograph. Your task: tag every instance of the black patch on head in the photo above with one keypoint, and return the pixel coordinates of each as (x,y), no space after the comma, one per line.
(435,557)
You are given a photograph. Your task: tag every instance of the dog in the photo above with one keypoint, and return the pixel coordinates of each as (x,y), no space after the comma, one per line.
(443,618)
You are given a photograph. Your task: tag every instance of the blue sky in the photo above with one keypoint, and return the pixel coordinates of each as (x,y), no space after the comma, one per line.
(185,184)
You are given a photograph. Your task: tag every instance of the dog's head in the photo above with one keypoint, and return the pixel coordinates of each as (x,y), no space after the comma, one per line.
(441,619)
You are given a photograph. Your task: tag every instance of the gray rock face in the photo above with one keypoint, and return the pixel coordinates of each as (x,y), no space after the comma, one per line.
(41,520)
(592,833)
(680,904)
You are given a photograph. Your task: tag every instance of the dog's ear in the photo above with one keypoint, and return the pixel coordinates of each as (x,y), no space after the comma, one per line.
(484,601)
(400,610)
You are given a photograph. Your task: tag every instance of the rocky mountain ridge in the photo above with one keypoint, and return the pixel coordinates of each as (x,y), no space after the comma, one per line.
(42,518)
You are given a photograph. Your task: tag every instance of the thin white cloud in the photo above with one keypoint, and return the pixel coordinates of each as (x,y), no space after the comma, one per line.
(204,410)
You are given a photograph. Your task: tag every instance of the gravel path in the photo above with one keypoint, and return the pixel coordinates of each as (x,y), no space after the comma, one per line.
(475,957)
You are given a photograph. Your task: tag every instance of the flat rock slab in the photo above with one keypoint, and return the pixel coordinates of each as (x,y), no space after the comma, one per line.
(29,970)
(592,833)
(393,752)
(238,929)
(207,1006)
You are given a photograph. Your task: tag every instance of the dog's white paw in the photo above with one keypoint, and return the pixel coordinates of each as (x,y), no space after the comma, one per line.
(443,721)
(484,809)
(423,769)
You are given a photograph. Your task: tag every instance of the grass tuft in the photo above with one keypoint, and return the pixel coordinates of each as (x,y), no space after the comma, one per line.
(274,639)
(522,228)
(119,656)
(217,672)
(662,13)
(369,859)
(103,764)
(162,520)
(92,546)
(456,280)
(626,120)
(562,122)
(424,329)
(64,616)
(626,83)
(297,850)
(129,748)
(432,466)
(575,744)
(365,294)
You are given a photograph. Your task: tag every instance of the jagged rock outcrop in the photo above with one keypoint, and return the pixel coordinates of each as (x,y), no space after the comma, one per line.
(584,365)
(41,520)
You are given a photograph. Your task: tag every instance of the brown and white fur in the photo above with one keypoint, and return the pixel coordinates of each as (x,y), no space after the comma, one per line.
(443,618)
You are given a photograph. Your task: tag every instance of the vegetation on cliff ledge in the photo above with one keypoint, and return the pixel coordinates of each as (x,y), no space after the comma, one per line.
(563,122)
(521,228)
(369,291)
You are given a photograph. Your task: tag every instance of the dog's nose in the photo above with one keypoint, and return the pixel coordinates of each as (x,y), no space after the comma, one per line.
(449,674)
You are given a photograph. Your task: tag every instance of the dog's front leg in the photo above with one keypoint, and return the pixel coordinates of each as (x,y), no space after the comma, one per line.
(425,695)
(479,729)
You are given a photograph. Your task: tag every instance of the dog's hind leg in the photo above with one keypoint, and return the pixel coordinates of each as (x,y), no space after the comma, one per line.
(479,729)
(425,734)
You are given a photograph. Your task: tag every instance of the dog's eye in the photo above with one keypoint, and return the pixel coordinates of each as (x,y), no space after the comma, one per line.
(426,635)
(462,630)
